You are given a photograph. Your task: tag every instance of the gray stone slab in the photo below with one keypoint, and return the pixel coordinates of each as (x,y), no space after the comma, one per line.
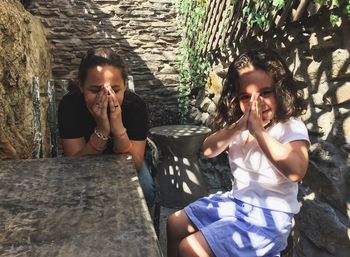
(84,206)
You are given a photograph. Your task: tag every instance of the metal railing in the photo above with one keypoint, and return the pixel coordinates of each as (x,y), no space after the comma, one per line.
(62,86)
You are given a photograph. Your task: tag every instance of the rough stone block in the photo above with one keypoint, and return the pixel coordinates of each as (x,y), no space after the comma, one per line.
(24,53)
(323,226)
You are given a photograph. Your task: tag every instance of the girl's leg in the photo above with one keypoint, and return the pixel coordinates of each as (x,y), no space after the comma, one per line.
(195,245)
(179,226)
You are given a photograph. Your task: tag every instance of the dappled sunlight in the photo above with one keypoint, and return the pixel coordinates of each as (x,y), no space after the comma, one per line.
(238,239)
(227,211)
(180,181)
(196,248)
(181,130)
(248,226)
(181,174)
(186,189)
(178,171)
(311,197)
(192,177)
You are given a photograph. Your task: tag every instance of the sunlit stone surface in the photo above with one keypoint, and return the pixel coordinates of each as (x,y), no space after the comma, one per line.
(86,206)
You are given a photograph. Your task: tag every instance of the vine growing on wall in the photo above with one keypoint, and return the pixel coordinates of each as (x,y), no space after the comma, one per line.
(193,67)
(260,13)
(195,60)
(334,18)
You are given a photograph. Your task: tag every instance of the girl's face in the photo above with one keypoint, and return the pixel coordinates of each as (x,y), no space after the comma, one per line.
(102,76)
(251,81)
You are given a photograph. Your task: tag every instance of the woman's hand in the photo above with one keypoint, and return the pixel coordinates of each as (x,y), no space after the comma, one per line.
(120,137)
(99,112)
(115,113)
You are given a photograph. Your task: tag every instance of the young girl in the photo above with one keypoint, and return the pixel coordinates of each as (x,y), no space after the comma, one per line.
(105,117)
(267,150)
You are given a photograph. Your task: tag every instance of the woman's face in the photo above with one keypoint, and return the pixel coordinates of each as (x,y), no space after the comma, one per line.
(258,81)
(102,76)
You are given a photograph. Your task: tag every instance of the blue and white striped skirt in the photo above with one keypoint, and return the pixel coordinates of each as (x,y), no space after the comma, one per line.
(233,228)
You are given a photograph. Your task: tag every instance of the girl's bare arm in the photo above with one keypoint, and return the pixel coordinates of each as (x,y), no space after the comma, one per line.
(291,158)
(218,142)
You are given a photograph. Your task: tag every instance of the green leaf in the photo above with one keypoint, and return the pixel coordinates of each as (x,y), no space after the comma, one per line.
(334,19)
(278,3)
(335,3)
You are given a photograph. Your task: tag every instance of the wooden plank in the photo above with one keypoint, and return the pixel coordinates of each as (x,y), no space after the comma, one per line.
(229,26)
(209,15)
(209,23)
(286,12)
(212,23)
(221,34)
(213,37)
(300,10)
(313,8)
(237,20)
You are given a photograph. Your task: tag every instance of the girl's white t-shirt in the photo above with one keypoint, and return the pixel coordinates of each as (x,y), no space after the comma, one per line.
(257,181)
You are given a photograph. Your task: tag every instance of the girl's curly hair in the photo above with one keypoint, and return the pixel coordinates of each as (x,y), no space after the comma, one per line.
(290,98)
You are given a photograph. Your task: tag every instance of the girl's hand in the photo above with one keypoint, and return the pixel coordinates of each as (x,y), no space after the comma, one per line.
(255,122)
(99,112)
(242,123)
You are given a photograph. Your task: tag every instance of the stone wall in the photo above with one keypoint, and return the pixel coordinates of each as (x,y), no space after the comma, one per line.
(318,54)
(142,31)
(23,54)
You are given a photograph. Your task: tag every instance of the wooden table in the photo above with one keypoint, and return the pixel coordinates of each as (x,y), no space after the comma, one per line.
(178,173)
(85,206)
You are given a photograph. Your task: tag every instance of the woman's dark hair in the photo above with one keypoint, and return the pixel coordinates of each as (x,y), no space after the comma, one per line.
(100,57)
(290,98)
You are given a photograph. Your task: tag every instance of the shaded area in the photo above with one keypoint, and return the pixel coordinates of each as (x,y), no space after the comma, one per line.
(131,28)
(179,173)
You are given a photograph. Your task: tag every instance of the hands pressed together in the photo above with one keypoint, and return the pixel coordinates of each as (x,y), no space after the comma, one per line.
(107,112)
(252,118)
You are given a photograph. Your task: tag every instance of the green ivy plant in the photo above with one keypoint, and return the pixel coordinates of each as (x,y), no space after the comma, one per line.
(260,13)
(334,18)
(193,67)
(194,61)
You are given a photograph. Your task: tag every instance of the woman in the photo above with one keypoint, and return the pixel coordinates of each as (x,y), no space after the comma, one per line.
(103,117)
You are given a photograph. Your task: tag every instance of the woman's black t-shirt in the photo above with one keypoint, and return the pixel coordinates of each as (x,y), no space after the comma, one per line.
(75,120)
